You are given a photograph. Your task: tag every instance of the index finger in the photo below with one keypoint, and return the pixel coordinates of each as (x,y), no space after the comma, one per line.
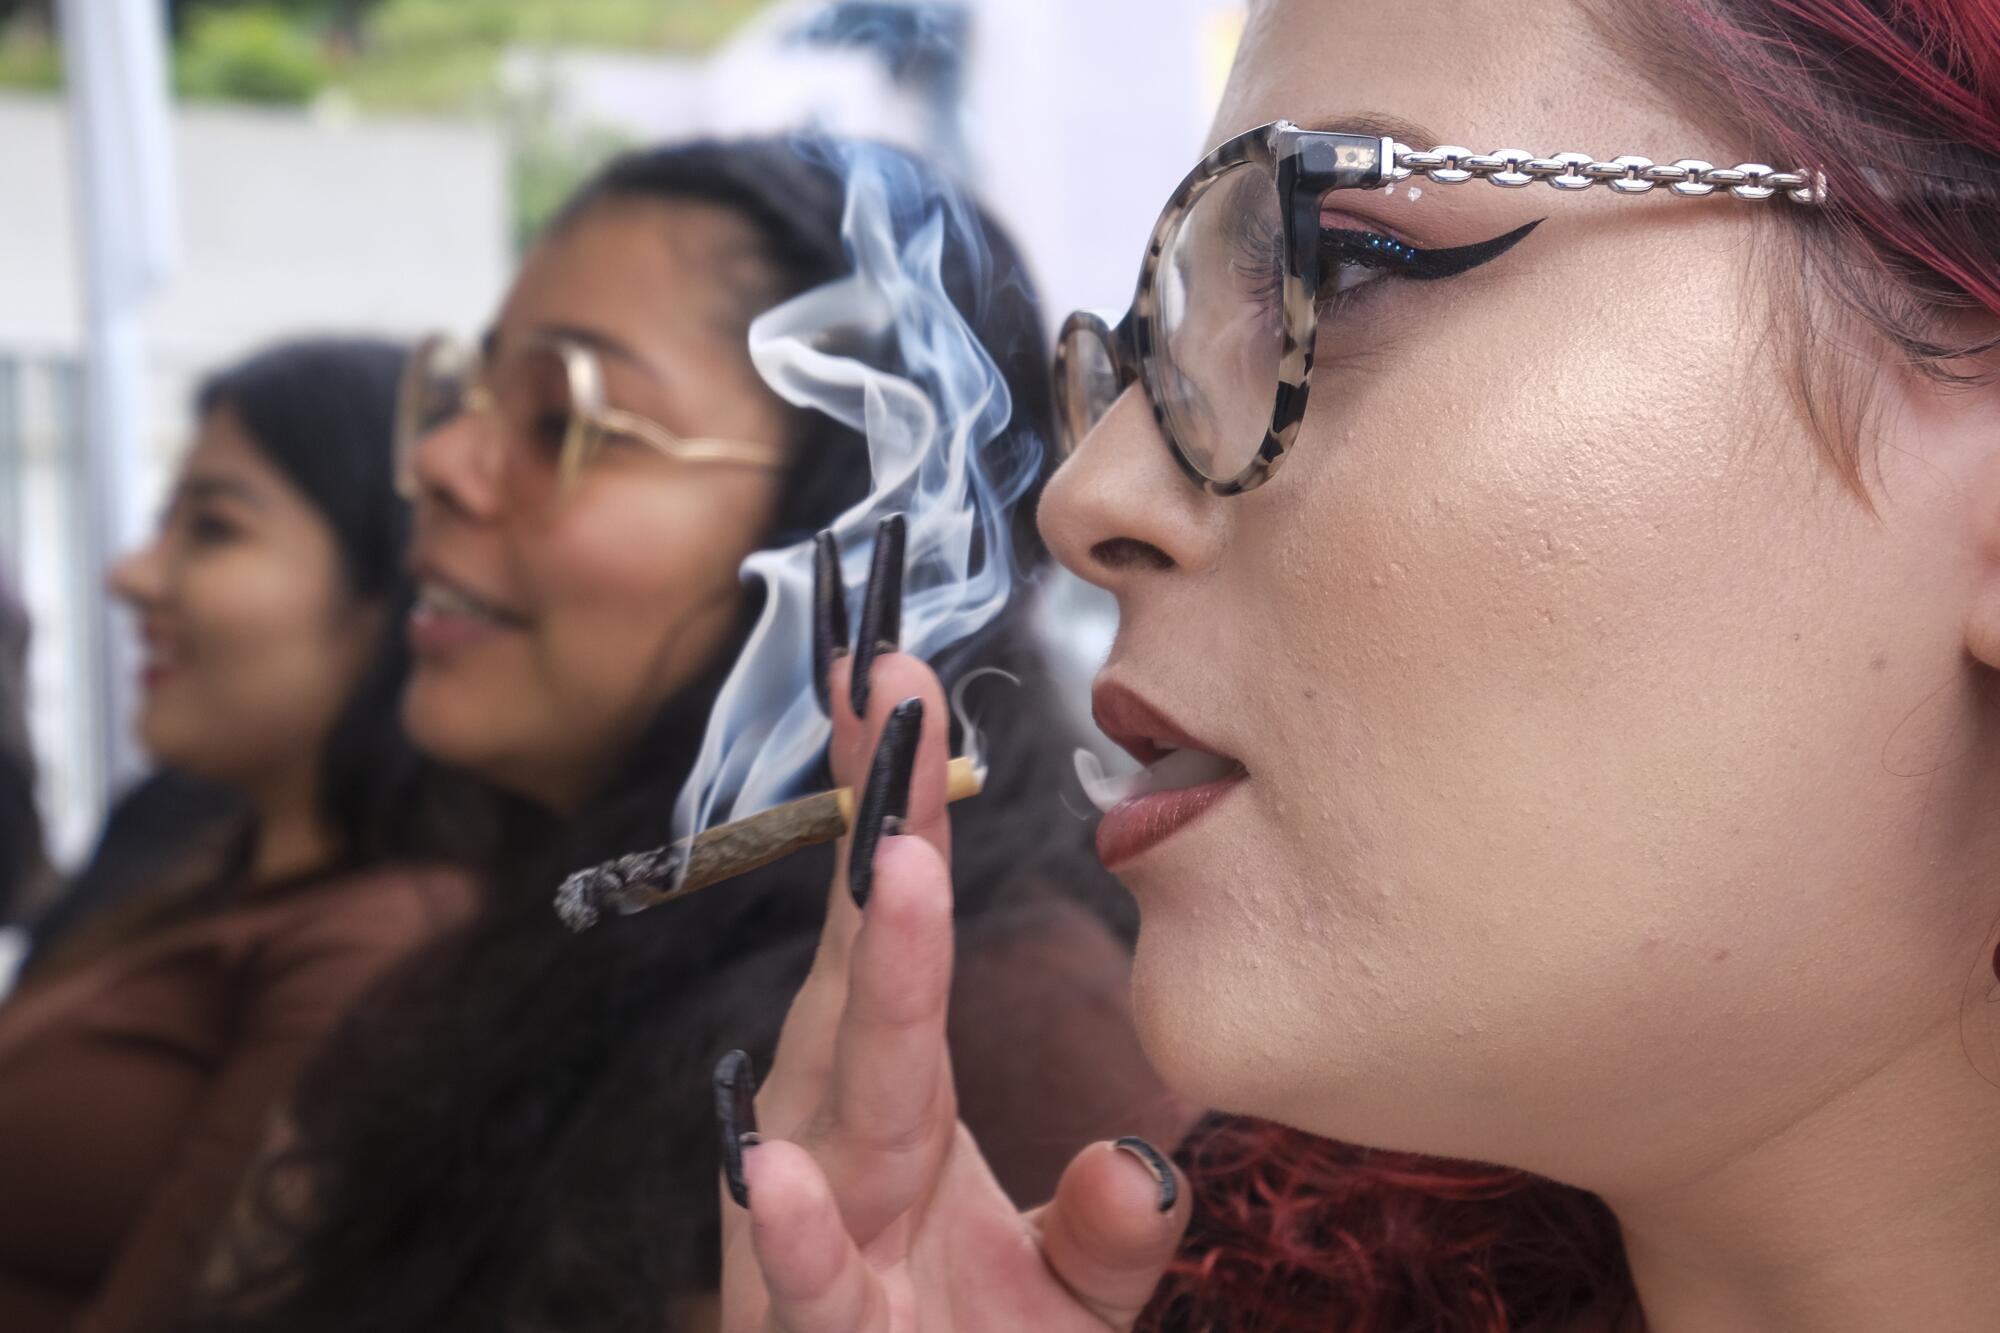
(804,1057)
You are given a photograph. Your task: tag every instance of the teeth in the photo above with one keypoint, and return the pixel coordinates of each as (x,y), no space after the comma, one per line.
(446,601)
(1177,768)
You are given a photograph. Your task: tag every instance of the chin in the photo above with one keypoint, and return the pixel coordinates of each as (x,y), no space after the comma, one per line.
(164,743)
(453,729)
(1231,1023)
(1203,1019)
(432,719)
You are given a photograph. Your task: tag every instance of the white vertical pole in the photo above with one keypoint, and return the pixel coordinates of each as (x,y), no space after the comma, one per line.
(114,56)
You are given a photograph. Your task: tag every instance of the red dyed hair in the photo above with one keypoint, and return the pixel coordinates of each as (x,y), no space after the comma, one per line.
(1296,1234)
(1897,102)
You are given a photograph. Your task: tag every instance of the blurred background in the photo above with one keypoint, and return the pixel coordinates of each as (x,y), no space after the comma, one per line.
(182,181)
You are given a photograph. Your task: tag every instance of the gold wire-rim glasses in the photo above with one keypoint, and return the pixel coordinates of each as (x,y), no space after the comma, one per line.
(592,420)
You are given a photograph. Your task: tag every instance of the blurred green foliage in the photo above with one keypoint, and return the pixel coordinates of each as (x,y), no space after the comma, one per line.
(29,59)
(389,55)
(249,53)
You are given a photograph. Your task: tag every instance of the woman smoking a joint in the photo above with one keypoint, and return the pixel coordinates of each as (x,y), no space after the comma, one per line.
(1602,770)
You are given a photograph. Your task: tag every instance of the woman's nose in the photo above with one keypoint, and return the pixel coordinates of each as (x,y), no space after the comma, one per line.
(459,467)
(138,577)
(1121,508)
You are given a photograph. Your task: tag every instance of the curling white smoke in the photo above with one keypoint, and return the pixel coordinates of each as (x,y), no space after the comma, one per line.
(937,449)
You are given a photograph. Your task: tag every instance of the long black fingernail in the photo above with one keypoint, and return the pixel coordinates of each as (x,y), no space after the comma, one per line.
(1156,1164)
(736,1108)
(885,800)
(829,616)
(881,607)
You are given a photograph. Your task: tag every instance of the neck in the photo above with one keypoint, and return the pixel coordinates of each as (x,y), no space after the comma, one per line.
(1879,1208)
(291,838)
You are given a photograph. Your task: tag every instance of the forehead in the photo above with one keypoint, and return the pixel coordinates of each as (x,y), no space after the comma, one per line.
(222,447)
(224,462)
(645,273)
(1484,74)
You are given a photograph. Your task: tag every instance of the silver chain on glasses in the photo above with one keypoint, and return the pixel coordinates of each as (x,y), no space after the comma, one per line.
(1512,168)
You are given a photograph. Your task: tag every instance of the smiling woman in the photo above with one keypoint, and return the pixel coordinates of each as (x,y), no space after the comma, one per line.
(575,568)
(141,1056)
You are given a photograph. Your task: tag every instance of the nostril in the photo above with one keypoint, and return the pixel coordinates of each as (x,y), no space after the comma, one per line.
(1122,553)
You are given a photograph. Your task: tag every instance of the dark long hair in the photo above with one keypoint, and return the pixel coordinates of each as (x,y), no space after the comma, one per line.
(518,1136)
(321,411)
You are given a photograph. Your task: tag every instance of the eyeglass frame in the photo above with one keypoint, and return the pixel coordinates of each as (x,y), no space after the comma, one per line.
(592,419)
(1305,166)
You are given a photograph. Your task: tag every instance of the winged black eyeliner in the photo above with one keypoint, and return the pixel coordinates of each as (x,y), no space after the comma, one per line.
(1340,245)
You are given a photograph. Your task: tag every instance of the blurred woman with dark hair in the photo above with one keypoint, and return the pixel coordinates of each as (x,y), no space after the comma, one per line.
(140,1059)
(24,869)
(516,1137)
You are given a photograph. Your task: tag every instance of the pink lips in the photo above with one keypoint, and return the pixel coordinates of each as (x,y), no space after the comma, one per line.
(1140,823)
(432,633)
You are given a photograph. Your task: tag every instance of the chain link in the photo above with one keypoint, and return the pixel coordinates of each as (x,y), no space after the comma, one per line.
(1512,168)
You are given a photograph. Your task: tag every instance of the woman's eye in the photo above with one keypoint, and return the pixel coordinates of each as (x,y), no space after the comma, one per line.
(206,529)
(551,429)
(1346,276)
(1351,259)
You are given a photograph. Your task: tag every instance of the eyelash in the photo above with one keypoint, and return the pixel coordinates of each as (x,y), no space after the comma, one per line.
(1340,248)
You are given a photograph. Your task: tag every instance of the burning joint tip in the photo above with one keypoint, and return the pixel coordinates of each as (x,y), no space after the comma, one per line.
(627,884)
(638,881)
(577,900)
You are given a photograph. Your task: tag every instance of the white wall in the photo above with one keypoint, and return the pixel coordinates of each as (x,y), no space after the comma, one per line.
(1082,118)
(288,218)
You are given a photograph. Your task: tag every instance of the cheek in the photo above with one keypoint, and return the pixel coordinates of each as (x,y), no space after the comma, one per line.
(1573,624)
(269,660)
(634,590)
(1598,697)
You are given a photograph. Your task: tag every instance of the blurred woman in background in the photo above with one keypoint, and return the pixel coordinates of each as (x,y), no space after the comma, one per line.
(138,1063)
(517,1136)
(24,869)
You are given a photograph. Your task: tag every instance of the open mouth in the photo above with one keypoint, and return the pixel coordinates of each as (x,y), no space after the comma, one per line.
(443,599)
(1176,770)
(158,657)
(1182,779)
(447,617)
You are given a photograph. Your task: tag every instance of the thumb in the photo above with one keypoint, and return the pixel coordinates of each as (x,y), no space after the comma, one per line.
(1114,1225)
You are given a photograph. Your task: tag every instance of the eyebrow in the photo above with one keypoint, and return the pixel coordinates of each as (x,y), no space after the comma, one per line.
(219,488)
(1375,124)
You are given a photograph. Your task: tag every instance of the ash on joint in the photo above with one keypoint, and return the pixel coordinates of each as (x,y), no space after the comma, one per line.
(626,884)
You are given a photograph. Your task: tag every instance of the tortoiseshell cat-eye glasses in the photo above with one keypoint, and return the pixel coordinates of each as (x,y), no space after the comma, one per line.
(1240,274)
